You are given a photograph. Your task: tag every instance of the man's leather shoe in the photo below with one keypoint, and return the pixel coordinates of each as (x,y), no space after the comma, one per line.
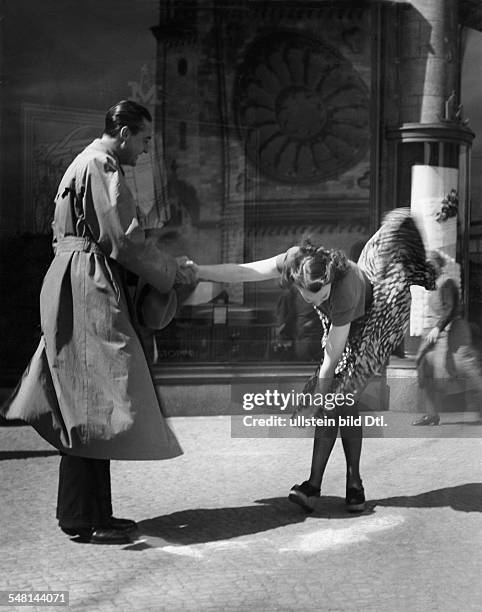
(69,531)
(104,535)
(122,524)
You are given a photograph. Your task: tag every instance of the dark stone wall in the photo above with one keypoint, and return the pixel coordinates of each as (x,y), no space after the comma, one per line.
(55,54)
(24,261)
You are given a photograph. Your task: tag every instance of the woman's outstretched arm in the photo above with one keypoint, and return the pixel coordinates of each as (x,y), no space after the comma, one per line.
(264,269)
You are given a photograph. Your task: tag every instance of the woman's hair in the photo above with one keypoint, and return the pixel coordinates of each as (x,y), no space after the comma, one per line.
(125,112)
(313,267)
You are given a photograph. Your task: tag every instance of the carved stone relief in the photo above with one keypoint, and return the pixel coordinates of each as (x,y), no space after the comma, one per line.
(302,107)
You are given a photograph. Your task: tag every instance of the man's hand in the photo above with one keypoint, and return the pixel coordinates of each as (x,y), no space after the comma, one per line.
(185,262)
(186,271)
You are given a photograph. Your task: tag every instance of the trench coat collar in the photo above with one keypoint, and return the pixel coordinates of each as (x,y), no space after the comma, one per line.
(102,147)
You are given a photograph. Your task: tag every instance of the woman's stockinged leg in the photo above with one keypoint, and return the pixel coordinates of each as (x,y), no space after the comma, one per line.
(306,494)
(325,438)
(351,438)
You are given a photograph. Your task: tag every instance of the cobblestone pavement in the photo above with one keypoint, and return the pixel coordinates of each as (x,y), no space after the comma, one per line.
(217,533)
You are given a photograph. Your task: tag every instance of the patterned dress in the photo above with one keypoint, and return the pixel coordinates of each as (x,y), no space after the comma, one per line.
(393,260)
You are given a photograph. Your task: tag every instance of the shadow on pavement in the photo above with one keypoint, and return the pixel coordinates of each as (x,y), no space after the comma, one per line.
(203,525)
(5,455)
(465,498)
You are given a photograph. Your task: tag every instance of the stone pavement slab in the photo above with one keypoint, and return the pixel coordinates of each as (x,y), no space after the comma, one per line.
(217,533)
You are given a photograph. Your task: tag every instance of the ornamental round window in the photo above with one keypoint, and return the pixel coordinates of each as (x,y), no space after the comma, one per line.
(301,107)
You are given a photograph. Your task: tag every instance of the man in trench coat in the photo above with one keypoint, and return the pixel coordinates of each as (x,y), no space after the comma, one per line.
(88,389)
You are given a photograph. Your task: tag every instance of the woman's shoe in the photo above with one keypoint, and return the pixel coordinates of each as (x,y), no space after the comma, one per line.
(428,419)
(305,495)
(355,499)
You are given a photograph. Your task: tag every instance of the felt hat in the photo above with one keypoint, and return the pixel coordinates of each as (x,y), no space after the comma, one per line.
(155,310)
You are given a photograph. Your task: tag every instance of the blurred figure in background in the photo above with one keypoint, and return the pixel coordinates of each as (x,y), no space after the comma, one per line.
(447,362)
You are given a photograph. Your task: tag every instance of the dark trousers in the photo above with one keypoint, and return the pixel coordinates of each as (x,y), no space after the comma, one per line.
(84,495)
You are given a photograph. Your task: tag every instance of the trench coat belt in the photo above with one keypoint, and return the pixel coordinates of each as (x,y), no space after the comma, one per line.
(69,244)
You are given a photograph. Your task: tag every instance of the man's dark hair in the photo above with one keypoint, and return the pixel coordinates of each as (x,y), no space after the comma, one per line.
(125,112)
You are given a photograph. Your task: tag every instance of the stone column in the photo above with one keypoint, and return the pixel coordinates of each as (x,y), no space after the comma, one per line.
(432,134)
(428,59)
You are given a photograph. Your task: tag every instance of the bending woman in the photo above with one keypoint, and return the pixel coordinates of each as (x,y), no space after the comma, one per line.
(364,309)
